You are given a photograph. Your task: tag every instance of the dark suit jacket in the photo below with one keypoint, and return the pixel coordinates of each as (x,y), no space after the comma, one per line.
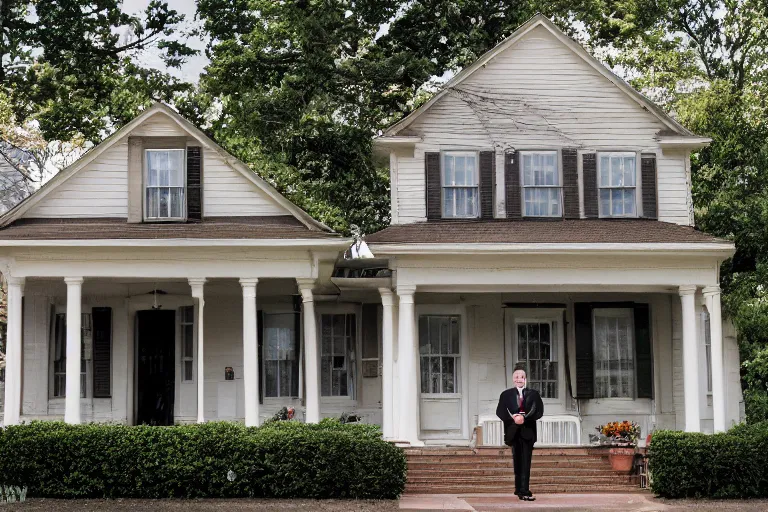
(534,410)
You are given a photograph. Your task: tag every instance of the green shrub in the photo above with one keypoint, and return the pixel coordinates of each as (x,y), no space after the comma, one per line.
(281,459)
(728,465)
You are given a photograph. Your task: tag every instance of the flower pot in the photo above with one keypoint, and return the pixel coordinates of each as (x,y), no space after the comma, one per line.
(621,459)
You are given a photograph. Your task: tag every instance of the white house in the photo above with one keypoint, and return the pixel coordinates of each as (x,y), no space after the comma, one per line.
(541,214)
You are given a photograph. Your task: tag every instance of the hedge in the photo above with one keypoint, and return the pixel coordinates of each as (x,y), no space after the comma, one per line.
(280,459)
(727,465)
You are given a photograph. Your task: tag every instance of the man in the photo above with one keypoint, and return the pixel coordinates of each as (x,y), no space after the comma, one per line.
(519,408)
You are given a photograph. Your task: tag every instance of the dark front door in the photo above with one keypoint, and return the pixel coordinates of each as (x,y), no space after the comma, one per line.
(156,378)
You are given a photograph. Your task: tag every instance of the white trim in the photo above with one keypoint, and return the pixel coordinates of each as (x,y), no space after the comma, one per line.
(723,250)
(182,242)
(559,186)
(637,187)
(145,185)
(454,154)
(536,21)
(24,206)
(690,143)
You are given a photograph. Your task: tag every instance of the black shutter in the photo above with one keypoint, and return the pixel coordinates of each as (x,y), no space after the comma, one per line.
(585,373)
(644,359)
(259,358)
(487,168)
(194,183)
(570,184)
(648,182)
(101,319)
(433,188)
(512,184)
(589,173)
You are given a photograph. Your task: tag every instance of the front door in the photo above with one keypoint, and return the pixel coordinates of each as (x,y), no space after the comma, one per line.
(156,367)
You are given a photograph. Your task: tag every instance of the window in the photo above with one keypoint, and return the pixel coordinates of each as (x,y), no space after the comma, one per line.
(537,350)
(439,350)
(187,343)
(541,184)
(618,185)
(60,358)
(614,353)
(338,337)
(281,358)
(164,184)
(460,185)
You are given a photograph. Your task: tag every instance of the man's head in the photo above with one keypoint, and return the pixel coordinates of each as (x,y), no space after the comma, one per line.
(519,377)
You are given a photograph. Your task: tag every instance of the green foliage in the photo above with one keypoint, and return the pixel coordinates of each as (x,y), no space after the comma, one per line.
(282,459)
(728,465)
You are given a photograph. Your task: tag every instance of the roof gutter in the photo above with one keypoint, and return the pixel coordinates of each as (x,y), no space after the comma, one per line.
(277,243)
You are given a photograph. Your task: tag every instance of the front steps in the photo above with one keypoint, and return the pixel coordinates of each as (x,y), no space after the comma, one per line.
(448,470)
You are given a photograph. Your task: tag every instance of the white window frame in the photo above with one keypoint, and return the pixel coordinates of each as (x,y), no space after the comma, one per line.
(354,368)
(190,323)
(555,337)
(457,359)
(476,156)
(297,350)
(637,188)
(558,187)
(616,313)
(183,186)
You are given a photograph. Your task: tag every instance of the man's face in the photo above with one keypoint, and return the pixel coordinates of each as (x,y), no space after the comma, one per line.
(519,378)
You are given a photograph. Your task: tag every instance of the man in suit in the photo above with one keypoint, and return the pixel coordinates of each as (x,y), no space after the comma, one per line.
(519,408)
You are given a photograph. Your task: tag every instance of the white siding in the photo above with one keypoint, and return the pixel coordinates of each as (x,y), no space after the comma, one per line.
(159,125)
(100,189)
(226,192)
(538,94)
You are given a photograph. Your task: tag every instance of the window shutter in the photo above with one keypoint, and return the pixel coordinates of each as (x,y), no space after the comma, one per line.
(259,355)
(487,168)
(512,184)
(570,184)
(585,367)
(194,183)
(589,173)
(648,181)
(644,361)
(102,350)
(433,188)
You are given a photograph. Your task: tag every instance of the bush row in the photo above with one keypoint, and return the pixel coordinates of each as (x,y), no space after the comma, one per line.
(280,459)
(727,465)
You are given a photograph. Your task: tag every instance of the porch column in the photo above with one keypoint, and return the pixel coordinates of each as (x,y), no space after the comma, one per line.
(311,359)
(387,382)
(408,367)
(74,349)
(690,360)
(197,293)
(250,353)
(712,297)
(13,352)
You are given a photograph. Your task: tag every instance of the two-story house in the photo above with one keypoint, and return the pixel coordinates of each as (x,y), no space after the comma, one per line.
(542,214)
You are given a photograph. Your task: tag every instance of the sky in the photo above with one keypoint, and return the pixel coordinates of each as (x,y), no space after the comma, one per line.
(190,71)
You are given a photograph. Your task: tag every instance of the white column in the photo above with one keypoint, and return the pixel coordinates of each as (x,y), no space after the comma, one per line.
(690,360)
(197,293)
(408,367)
(13,352)
(712,296)
(74,349)
(250,353)
(387,382)
(311,358)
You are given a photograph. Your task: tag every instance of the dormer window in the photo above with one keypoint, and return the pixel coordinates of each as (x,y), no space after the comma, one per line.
(460,185)
(164,184)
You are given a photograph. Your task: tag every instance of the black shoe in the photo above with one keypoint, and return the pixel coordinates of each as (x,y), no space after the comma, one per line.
(527,497)
(520,496)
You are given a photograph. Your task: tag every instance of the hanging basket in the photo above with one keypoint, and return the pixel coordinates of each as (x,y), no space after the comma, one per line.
(621,459)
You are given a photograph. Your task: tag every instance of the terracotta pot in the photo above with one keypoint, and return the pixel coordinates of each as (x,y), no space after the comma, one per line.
(621,459)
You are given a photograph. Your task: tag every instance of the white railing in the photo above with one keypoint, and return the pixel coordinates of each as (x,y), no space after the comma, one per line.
(551,431)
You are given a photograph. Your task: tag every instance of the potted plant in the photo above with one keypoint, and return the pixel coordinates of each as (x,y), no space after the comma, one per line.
(622,437)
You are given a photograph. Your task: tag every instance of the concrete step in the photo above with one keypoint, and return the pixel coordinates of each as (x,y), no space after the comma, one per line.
(538,489)
(595,480)
(476,459)
(465,465)
(441,472)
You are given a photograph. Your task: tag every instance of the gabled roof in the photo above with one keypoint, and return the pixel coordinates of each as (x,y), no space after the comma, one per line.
(541,21)
(25,205)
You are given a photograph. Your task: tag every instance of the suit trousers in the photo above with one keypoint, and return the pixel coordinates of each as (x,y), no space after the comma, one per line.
(522,452)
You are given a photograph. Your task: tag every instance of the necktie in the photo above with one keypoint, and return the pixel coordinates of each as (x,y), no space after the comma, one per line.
(520,401)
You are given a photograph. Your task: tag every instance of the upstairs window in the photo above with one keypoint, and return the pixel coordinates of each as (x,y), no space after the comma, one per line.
(164,179)
(460,185)
(618,185)
(541,184)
